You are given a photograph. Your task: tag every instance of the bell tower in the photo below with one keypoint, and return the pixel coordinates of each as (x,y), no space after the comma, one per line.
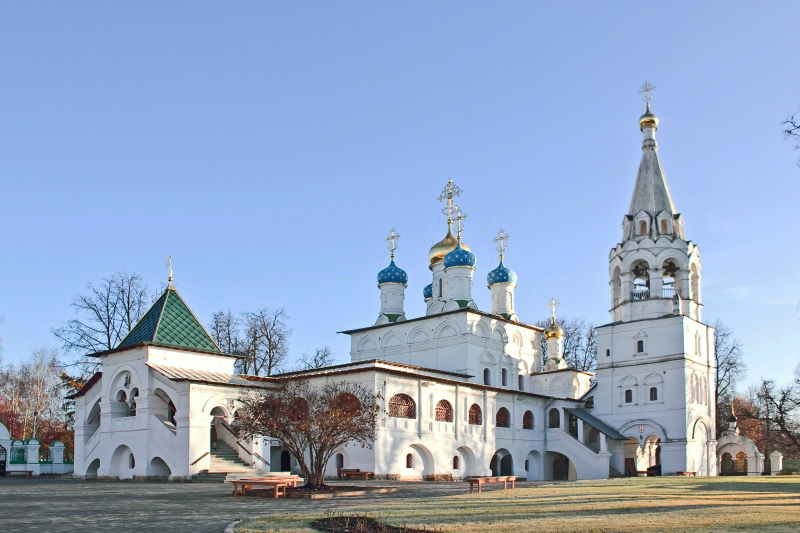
(655,359)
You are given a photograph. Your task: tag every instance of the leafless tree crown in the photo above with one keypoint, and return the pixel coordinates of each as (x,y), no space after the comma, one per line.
(580,342)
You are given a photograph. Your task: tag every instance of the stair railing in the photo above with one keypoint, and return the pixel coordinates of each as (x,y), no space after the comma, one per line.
(199,458)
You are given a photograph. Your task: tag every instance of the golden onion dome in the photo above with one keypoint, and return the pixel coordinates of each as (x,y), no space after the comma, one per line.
(444,247)
(648,119)
(553,332)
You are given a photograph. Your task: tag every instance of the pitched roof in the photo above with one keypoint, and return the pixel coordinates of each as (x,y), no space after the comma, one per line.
(171,323)
(596,423)
(651,192)
(204,376)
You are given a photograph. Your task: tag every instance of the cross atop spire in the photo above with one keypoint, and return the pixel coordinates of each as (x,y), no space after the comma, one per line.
(169,266)
(646,92)
(460,217)
(552,305)
(392,241)
(501,241)
(450,191)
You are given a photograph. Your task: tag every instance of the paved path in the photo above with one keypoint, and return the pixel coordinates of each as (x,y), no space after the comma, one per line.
(56,505)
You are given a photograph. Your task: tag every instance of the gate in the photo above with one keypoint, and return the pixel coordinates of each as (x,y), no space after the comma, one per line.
(3,461)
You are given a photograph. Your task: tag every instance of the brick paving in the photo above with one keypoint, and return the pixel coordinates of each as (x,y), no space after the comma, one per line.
(56,505)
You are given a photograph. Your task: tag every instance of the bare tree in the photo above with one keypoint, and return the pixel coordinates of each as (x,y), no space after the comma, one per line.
(778,410)
(103,317)
(792,130)
(226,330)
(266,342)
(322,357)
(731,369)
(34,391)
(312,422)
(580,342)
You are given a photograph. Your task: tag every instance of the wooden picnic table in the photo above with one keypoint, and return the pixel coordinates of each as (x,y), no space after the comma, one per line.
(278,484)
(491,479)
(347,473)
(681,473)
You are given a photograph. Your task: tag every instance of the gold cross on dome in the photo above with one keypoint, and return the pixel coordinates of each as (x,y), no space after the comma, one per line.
(460,217)
(392,241)
(646,92)
(552,305)
(450,191)
(501,241)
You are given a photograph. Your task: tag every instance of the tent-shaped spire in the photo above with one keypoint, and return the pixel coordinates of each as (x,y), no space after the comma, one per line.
(651,192)
(171,323)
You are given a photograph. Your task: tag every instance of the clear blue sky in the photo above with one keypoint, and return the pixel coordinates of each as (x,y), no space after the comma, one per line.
(269,147)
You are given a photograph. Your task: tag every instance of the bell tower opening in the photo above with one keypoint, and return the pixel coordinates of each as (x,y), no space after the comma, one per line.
(641,281)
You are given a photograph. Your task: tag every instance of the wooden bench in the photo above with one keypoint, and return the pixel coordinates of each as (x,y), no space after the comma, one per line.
(680,473)
(278,484)
(27,473)
(496,479)
(347,473)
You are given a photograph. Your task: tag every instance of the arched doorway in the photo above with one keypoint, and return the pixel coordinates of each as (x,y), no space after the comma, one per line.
(532,466)
(502,464)
(91,470)
(560,467)
(468,465)
(286,461)
(122,463)
(726,467)
(217,430)
(158,467)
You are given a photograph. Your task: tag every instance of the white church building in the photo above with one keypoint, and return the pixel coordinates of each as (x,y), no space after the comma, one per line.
(465,391)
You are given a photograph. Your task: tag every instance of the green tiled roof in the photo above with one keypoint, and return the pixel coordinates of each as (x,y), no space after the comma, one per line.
(170,322)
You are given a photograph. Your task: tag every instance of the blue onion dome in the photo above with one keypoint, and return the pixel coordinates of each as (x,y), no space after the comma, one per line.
(427,292)
(459,257)
(501,274)
(392,274)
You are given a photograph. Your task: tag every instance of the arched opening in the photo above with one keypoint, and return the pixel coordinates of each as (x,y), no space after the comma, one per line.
(527,420)
(92,421)
(402,406)
(726,465)
(162,406)
(572,425)
(132,402)
(740,464)
(642,227)
(628,396)
(521,382)
(409,460)
(560,467)
(669,270)
(502,464)
(767,465)
(554,418)
(475,415)
(339,460)
(286,461)
(593,439)
(504,377)
(444,411)
(440,287)
(652,455)
(616,287)
(468,465)
(653,394)
(122,463)
(633,456)
(456,462)
(217,429)
(348,405)
(487,376)
(641,281)
(503,418)
(158,467)
(418,462)
(532,466)
(91,470)
(694,279)
(664,229)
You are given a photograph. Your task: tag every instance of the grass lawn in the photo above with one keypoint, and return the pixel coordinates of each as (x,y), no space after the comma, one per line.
(636,505)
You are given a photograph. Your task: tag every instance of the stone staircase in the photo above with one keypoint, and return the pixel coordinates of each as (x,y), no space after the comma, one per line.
(225,466)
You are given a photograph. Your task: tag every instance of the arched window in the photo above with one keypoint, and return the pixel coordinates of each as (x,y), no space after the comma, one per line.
(299,409)
(487,376)
(440,287)
(504,377)
(521,382)
(132,402)
(608,352)
(527,465)
(640,346)
(455,463)
(131,462)
(664,226)
(653,394)
(475,415)
(402,406)
(444,411)
(527,420)
(555,418)
(409,460)
(339,460)
(628,396)
(503,418)
(641,280)
(572,425)
(348,405)
(642,227)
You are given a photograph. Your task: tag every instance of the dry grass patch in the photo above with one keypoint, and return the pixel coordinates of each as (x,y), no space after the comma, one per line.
(625,505)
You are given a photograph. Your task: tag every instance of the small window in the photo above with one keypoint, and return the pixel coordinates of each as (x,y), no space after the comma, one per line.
(653,394)
(503,418)
(521,382)
(131,462)
(642,228)
(487,376)
(339,460)
(572,423)
(527,420)
(628,396)
(455,463)
(608,353)
(589,402)
(555,418)
(527,465)
(664,226)
(409,460)
(640,346)
(475,415)
(504,377)
(440,287)
(444,411)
